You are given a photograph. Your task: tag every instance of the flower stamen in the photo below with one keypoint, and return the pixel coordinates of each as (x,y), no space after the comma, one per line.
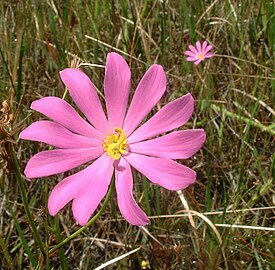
(115,145)
(201,56)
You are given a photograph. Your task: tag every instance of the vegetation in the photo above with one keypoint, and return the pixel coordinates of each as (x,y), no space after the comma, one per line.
(234,93)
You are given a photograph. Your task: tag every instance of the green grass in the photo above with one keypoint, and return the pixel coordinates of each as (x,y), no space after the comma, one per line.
(234,94)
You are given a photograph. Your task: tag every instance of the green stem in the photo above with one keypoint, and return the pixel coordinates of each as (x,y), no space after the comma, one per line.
(92,220)
(25,200)
(244,119)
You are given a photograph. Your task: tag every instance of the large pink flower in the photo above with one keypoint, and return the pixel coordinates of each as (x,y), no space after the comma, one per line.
(115,143)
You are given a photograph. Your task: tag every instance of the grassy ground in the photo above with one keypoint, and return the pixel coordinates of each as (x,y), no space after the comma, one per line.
(234,94)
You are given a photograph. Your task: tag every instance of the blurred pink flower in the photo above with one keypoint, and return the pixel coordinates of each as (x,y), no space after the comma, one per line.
(199,53)
(115,143)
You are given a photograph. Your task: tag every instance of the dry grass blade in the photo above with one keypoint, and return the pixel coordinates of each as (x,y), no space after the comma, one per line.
(256,99)
(114,48)
(213,227)
(117,259)
(152,236)
(219,212)
(238,226)
(191,220)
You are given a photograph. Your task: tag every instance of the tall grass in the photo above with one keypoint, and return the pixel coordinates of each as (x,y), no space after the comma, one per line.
(234,93)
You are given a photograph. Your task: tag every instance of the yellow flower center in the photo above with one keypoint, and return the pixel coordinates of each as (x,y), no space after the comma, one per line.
(201,56)
(115,145)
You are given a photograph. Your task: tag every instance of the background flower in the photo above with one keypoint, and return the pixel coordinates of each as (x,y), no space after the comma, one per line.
(199,53)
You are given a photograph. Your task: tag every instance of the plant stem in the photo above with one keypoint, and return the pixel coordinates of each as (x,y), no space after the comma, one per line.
(92,220)
(244,119)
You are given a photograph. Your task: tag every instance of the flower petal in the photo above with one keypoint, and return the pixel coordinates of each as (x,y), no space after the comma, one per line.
(85,97)
(209,55)
(116,87)
(193,49)
(55,161)
(189,53)
(176,145)
(63,113)
(208,48)
(56,135)
(204,45)
(72,186)
(191,58)
(198,61)
(126,202)
(89,196)
(198,46)
(162,171)
(149,91)
(171,116)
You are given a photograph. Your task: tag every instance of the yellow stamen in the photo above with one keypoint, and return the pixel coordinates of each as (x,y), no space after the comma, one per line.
(115,145)
(201,56)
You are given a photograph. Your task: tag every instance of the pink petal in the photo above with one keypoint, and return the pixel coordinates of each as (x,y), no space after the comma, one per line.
(176,145)
(56,161)
(63,113)
(198,61)
(72,186)
(84,95)
(189,53)
(126,202)
(208,48)
(191,58)
(164,172)
(89,196)
(171,116)
(204,45)
(198,46)
(116,88)
(148,93)
(209,55)
(193,49)
(56,135)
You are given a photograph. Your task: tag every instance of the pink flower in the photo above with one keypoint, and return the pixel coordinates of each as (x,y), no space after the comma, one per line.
(115,142)
(199,53)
